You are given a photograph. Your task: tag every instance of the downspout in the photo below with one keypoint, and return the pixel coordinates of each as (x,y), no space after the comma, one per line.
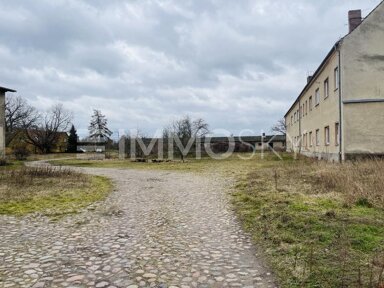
(340,108)
(300,127)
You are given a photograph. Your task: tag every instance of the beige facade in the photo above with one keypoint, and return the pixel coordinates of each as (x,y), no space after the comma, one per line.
(2,124)
(340,112)
(2,119)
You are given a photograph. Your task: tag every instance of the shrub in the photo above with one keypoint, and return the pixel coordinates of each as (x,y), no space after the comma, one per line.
(21,153)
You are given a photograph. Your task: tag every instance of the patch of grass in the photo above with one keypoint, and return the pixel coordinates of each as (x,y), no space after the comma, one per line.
(312,232)
(236,164)
(36,157)
(11,165)
(50,191)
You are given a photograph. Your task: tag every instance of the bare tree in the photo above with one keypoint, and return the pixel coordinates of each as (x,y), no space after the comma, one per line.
(45,134)
(185,130)
(18,115)
(279,127)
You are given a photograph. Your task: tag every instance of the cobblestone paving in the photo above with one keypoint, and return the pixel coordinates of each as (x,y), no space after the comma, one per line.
(158,229)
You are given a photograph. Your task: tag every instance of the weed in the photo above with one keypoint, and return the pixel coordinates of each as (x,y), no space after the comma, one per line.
(48,190)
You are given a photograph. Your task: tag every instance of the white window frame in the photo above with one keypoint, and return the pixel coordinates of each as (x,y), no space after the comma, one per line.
(327,136)
(310,139)
(310,103)
(317,137)
(317,97)
(336,77)
(337,133)
(326,88)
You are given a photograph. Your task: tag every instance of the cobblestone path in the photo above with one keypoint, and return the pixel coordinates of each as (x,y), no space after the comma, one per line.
(157,229)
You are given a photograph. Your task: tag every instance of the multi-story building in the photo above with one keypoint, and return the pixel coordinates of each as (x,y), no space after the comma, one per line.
(340,112)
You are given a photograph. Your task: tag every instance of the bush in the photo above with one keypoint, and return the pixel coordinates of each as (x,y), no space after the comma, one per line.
(3,162)
(21,153)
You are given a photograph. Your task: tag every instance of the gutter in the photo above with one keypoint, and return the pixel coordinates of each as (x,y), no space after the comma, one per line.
(340,110)
(300,136)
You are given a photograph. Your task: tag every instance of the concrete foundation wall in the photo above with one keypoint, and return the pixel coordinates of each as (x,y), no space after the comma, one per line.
(332,157)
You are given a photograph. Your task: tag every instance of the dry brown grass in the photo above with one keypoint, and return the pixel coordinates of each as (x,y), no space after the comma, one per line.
(49,190)
(360,182)
(28,182)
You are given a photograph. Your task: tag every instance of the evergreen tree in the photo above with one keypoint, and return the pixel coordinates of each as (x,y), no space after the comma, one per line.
(72,140)
(98,130)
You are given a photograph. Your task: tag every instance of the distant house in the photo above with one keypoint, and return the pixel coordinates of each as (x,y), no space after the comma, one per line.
(217,144)
(246,143)
(340,112)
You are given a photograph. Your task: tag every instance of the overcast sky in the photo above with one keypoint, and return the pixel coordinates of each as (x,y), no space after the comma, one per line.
(237,64)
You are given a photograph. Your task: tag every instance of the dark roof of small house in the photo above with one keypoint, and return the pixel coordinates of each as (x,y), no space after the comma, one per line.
(244,139)
(249,139)
(4,89)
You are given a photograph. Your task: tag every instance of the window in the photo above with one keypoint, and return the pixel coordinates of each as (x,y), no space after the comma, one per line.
(291,120)
(310,103)
(326,135)
(317,97)
(326,88)
(310,139)
(317,137)
(295,117)
(337,134)
(336,78)
(306,107)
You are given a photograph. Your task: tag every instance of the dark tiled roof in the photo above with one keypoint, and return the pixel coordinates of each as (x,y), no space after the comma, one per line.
(248,139)
(4,89)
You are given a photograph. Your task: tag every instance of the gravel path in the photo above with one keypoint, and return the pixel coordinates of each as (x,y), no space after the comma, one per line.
(157,229)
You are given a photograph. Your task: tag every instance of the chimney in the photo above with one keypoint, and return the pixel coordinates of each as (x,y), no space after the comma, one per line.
(309,78)
(354,19)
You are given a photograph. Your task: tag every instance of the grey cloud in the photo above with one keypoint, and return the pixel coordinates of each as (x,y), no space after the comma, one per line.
(238,64)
